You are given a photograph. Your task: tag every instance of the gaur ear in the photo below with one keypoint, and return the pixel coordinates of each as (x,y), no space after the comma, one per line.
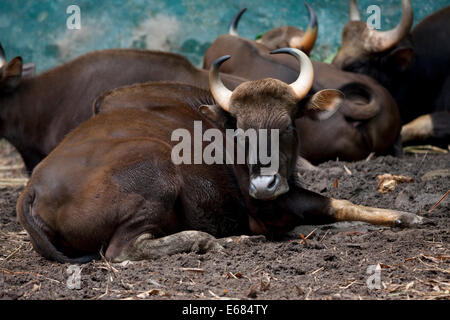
(212,111)
(11,75)
(402,58)
(28,70)
(324,104)
(218,115)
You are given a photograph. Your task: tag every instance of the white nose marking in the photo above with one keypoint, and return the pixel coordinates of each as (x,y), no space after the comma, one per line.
(264,183)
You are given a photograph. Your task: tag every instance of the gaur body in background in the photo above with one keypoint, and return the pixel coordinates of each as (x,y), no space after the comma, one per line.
(285,36)
(413,65)
(367,121)
(36,113)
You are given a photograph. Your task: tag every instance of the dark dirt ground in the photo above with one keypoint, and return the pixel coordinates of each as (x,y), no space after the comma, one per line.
(332,264)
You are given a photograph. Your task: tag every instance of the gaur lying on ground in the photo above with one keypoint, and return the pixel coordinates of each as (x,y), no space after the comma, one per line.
(285,36)
(37,112)
(368,120)
(112,183)
(414,65)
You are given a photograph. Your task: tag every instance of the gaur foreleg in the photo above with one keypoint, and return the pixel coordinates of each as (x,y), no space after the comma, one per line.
(314,208)
(430,126)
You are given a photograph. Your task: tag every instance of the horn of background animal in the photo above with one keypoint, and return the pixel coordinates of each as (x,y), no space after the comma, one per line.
(2,57)
(221,94)
(379,41)
(305,79)
(309,38)
(359,112)
(354,11)
(233,27)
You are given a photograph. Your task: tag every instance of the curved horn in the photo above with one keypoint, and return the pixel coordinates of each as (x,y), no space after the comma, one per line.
(360,112)
(220,93)
(363,99)
(354,11)
(303,84)
(383,40)
(309,38)
(2,57)
(232,28)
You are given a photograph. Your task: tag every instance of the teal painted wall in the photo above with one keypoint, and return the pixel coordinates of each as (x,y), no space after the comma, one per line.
(36,30)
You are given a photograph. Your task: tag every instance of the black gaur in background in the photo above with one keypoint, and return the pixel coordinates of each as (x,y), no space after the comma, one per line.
(367,121)
(414,65)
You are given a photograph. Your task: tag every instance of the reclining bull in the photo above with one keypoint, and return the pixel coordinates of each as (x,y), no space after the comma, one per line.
(37,112)
(368,120)
(112,184)
(414,65)
(285,36)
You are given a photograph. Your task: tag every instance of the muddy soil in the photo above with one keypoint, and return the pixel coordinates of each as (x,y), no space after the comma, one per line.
(336,261)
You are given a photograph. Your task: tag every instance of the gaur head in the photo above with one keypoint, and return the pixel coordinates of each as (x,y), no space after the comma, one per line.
(272,104)
(10,72)
(11,75)
(285,36)
(375,53)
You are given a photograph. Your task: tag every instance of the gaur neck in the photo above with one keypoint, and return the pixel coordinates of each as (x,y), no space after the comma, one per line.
(413,88)
(27,114)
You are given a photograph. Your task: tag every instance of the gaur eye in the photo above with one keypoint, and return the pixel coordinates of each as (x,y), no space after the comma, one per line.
(290,128)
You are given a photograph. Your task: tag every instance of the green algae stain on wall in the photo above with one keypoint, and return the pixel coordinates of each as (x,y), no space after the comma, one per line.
(37,31)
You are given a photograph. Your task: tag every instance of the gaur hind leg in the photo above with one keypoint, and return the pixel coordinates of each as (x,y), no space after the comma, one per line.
(151,226)
(146,247)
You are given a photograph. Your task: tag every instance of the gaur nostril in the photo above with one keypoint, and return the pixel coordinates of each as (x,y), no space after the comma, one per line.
(273,183)
(264,184)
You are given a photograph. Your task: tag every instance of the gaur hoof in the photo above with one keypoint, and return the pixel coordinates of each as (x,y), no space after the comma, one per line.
(206,244)
(244,239)
(408,220)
